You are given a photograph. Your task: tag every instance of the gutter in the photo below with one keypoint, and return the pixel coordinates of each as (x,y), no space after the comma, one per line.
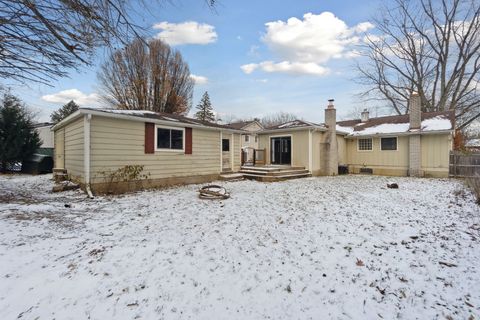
(292,129)
(86,153)
(395,134)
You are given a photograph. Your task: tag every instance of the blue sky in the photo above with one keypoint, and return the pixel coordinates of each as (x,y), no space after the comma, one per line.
(254,57)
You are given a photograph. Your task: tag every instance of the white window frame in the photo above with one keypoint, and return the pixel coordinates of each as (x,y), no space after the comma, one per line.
(388,138)
(256,139)
(247,138)
(366,150)
(170,150)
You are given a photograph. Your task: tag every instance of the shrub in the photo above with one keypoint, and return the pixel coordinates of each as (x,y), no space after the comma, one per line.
(18,138)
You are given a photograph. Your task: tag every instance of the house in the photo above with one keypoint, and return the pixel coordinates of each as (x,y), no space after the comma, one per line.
(249,138)
(139,149)
(416,144)
(46,137)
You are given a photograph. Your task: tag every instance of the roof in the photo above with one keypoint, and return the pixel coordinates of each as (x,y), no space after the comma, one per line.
(294,125)
(431,122)
(146,116)
(242,124)
(42,124)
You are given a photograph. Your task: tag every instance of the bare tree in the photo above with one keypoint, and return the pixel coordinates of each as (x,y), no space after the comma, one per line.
(277,118)
(431,47)
(147,76)
(41,39)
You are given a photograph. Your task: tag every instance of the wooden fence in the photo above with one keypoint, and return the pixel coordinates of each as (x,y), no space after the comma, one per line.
(464,165)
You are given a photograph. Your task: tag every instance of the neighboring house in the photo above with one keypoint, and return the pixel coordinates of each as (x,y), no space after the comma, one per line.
(417,144)
(46,137)
(91,144)
(250,138)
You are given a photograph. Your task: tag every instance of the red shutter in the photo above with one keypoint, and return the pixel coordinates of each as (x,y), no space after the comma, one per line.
(149,137)
(188,140)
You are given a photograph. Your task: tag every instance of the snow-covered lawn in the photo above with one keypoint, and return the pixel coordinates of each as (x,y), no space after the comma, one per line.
(341,247)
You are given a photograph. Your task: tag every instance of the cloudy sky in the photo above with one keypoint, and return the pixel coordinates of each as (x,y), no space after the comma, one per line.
(253,57)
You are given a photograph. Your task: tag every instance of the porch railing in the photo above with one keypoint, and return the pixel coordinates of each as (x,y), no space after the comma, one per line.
(251,156)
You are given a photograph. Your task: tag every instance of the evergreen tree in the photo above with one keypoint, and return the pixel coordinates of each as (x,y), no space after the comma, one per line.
(205,109)
(18,138)
(64,112)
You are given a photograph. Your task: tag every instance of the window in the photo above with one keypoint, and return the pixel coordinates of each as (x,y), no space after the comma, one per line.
(247,138)
(256,139)
(225,145)
(169,139)
(365,144)
(389,143)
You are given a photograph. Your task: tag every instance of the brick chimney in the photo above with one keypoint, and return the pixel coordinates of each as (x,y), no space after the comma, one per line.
(415,146)
(365,115)
(331,165)
(415,112)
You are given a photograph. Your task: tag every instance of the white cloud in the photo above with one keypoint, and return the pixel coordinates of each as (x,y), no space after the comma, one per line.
(199,79)
(304,45)
(294,68)
(189,32)
(76,95)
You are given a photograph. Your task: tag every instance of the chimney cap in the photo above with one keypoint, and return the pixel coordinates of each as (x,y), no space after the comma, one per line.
(330,104)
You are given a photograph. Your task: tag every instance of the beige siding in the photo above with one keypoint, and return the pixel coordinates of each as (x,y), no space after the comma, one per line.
(435,154)
(299,146)
(382,162)
(236,152)
(252,127)
(117,143)
(74,150)
(342,149)
(59,151)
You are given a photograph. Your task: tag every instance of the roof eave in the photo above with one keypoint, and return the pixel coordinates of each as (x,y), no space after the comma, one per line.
(291,129)
(395,134)
(99,113)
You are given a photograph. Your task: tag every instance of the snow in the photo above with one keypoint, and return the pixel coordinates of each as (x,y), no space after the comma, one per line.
(344,247)
(170,119)
(384,128)
(473,143)
(438,123)
(348,130)
(293,124)
(128,112)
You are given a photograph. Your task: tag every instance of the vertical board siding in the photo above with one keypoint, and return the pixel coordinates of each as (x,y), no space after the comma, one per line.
(435,152)
(74,150)
(117,143)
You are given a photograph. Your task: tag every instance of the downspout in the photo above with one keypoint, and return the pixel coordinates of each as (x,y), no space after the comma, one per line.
(232,153)
(86,153)
(221,152)
(310,152)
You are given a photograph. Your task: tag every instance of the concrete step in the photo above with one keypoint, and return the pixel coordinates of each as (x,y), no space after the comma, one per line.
(274,173)
(271,169)
(276,178)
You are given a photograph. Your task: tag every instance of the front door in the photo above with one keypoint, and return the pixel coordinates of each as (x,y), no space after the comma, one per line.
(281,150)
